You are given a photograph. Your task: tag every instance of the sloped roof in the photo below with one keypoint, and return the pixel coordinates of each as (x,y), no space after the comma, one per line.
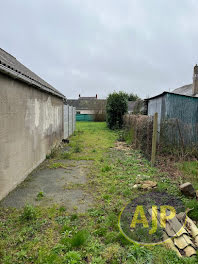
(184,90)
(88,104)
(12,67)
(162,94)
(87,98)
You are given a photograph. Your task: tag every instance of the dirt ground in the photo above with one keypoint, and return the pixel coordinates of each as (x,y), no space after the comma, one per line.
(61,186)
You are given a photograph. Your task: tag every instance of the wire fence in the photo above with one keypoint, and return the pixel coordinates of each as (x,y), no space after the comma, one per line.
(140,128)
(173,135)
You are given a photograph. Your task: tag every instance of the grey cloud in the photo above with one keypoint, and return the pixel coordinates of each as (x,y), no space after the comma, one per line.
(89,47)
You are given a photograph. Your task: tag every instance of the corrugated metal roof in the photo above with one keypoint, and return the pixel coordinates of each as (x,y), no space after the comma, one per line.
(185,90)
(11,66)
(147,99)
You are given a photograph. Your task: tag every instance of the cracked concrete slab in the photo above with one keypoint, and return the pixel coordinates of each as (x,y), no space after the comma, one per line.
(61,186)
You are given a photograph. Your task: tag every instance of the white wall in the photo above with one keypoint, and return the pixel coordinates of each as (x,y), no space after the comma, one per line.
(31,124)
(155,106)
(69,120)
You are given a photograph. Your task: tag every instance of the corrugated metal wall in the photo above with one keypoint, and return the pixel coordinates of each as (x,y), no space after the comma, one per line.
(155,106)
(69,120)
(180,120)
(182,107)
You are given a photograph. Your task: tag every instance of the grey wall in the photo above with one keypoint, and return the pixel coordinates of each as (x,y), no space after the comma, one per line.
(178,118)
(31,123)
(181,119)
(69,120)
(155,106)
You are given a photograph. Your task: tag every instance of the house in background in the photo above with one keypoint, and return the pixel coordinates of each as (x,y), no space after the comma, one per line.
(31,121)
(136,107)
(89,108)
(190,89)
(179,111)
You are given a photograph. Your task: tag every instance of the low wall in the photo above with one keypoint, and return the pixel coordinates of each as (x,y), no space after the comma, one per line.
(31,124)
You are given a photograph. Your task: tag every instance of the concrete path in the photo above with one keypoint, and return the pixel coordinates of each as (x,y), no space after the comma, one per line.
(62,186)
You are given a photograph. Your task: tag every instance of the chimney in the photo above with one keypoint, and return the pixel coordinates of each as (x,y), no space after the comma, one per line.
(195,80)
(96,96)
(79,96)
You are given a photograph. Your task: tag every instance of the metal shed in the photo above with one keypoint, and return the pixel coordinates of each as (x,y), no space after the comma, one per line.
(177,117)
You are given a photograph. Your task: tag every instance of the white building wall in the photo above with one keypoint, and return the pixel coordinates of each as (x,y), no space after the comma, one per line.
(69,120)
(31,124)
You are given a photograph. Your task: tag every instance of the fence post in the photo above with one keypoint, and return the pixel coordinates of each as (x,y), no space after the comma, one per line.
(154,139)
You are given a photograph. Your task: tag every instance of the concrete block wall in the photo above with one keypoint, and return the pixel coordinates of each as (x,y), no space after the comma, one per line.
(69,120)
(31,124)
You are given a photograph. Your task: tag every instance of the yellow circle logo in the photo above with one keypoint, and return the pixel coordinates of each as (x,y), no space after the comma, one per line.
(152,218)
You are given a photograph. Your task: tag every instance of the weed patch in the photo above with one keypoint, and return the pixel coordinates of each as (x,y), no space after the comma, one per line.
(39,196)
(77,148)
(66,155)
(53,154)
(29,213)
(57,165)
(54,235)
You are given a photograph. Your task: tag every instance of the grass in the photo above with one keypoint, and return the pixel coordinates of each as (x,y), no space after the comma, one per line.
(53,235)
(29,213)
(52,154)
(56,165)
(65,155)
(193,206)
(189,170)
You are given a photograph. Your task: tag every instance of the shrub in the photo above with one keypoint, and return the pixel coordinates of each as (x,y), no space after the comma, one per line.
(132,97)
(99,115)
(116,108)
(29,213)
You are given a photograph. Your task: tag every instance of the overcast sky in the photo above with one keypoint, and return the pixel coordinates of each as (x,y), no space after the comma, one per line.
(98,46)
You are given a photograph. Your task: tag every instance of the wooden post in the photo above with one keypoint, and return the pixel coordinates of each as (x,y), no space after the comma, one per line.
(154,139)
